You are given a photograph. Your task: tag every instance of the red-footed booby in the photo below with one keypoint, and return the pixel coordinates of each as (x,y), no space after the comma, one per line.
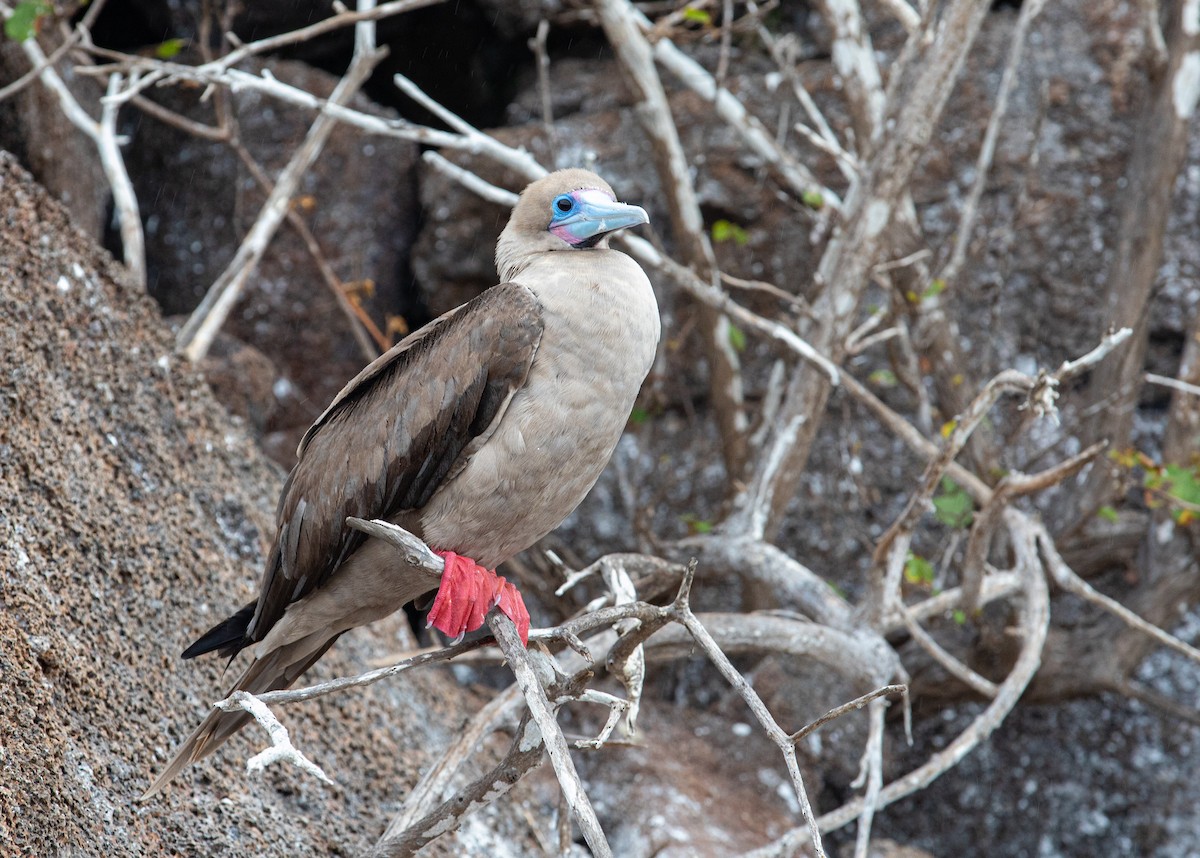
(480,433)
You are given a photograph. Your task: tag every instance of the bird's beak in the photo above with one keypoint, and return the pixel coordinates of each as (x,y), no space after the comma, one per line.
(597,215)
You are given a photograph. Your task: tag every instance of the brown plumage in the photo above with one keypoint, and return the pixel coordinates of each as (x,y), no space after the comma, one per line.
(480,433)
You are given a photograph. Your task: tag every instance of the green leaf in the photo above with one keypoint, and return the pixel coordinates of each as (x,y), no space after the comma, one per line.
(813,199)
(1183,483)
(697,16)
(724,230)
(170,48)
(952,506)
(737,338)
(883,378)
(696,525)
(1107,513)
(960,616)
(918,570)
(25,20)
(639,415)
(937,287)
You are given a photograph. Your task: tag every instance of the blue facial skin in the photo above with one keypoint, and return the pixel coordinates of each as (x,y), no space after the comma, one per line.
(582,218)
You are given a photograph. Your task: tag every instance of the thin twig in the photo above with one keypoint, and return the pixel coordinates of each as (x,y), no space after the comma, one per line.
(282,749)
(966,225)
(197,334)
(542,714)
(524,755)
(852,706)
(77,34)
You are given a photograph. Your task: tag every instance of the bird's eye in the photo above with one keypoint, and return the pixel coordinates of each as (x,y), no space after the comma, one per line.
(564,203)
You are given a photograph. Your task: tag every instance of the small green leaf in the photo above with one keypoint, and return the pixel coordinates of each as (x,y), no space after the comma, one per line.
(696,525)
(1184,483)
(952,506)
(1107,513)
(697,16)
(960,616)
(737,338)
(883,378)
(724,230)
(918,570)
(937,287)
(25,20)
(813,199)
(169,49)
(639,415)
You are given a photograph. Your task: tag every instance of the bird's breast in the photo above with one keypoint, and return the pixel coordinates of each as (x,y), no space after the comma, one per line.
(560,429)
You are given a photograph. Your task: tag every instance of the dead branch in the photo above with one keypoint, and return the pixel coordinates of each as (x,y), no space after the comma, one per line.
(619,20)
(524,755)
(104,135)
(542,714)
(845,266)
(282,749)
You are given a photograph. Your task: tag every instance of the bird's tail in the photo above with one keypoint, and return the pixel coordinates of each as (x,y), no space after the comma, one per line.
(274,671)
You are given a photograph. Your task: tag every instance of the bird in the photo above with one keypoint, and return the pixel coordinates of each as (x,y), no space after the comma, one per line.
(480,433)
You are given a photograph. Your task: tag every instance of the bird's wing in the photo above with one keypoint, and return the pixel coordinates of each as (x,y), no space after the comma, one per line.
(394,434)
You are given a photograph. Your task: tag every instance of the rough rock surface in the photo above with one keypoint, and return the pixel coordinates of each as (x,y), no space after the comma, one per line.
(132,515)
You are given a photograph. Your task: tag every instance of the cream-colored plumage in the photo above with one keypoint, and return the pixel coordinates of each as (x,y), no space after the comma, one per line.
(481,432)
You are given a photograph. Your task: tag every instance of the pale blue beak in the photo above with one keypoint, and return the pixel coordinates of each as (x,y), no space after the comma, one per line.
(593,215)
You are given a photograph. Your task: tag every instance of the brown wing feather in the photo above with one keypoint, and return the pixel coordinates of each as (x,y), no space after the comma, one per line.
(393,434)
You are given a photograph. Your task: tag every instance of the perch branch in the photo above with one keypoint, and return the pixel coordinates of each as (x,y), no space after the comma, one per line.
(282,749)
(197,334)
(542,713)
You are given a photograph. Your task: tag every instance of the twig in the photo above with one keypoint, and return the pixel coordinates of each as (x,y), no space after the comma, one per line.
(129,219)
(966,225)
(1173,383)
(752,132)
(197,333)
(956,668)
(908,17)
(620,22)
(282,749)
(537,44)
(469,137)
(852,706)
(542,714)
(872,775)
(470,181)
(77,34)
(854,61)
(1066,577)
(103,135)
(683,614)
(371,341)
(524,755)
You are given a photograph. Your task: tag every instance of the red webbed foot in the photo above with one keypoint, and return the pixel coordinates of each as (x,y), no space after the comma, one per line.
(467,592)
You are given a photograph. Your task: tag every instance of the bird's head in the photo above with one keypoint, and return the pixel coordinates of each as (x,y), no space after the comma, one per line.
(566,210)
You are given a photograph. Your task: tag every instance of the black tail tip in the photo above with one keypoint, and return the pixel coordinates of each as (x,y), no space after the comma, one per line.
(227,637)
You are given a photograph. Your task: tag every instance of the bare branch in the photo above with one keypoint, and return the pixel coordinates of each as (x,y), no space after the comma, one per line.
(966,225)
(282,749)
(852,706)
(542,714)
(620,22)
(1173,383)
(197,333)
(524,755)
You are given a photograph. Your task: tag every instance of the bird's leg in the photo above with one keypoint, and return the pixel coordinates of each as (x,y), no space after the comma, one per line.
(467,592)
